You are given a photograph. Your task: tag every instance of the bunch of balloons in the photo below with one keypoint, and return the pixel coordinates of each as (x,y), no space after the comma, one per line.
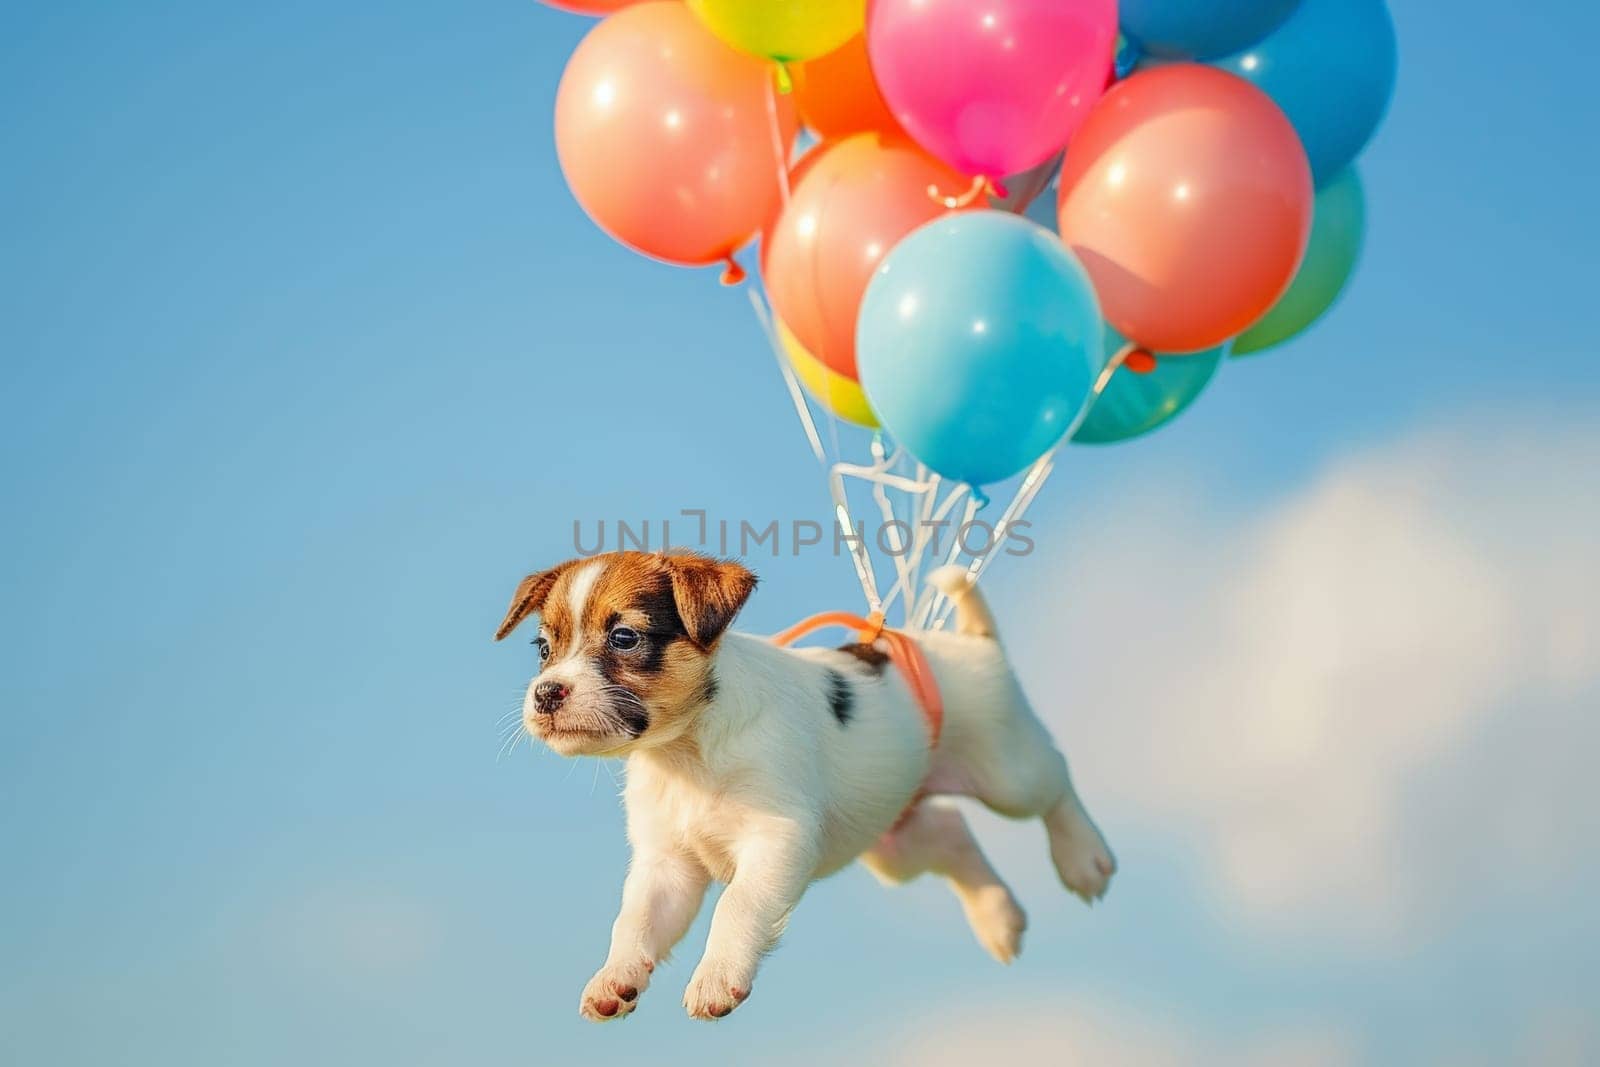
(1201,154)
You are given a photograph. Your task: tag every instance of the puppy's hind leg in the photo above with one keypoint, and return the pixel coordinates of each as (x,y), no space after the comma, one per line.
(1024,776)
(1082,859)
(1011,764)
(935,837)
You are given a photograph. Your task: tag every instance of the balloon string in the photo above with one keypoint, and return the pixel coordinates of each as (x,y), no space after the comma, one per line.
(1118,358)
(981,186)
(900,552)
(881,473)
(1031,484)
(925,512)
(1127,354)
(802,409)
(856,544)
(779,155)
(940,515)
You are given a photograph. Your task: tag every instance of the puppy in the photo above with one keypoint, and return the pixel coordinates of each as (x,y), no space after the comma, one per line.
(766,768)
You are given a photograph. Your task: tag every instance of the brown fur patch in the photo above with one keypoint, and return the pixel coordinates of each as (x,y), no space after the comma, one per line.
(870,655)
(709,593)
(530,597)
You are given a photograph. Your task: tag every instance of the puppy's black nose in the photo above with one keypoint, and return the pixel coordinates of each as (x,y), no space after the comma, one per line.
(548,696)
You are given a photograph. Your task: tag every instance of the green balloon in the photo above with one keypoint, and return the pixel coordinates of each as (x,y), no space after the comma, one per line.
(1134,403)
(1339,221)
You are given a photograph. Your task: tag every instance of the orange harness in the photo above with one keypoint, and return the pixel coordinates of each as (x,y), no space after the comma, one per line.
(905,653)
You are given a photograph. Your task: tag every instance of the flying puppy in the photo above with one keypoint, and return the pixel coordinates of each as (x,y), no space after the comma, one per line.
(767,768)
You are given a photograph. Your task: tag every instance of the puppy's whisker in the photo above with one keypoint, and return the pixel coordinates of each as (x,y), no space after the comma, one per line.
(505,746)
(508,743)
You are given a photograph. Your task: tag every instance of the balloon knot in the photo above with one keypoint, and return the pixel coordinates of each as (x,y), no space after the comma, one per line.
(784,79)
(996,190)
(1140,361)
(954,203)
(980,498)
(732,273)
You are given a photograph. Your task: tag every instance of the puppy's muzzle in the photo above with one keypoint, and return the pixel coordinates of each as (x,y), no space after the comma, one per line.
(549,696)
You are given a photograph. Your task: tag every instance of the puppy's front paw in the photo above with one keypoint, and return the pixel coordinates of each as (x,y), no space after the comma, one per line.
(715,990)
(614,991)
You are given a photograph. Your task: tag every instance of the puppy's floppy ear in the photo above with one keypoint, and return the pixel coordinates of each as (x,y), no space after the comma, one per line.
(529,598)
(709,593)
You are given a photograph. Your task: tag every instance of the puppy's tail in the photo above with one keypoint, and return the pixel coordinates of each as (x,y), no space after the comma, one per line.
(972,612)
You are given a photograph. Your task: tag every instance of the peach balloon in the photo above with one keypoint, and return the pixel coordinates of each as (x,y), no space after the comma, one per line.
(1187,195)
(850,205)
(674,143)
(837,95)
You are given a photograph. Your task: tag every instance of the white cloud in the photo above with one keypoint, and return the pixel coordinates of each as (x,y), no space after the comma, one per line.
(1366,706)
(1078,1028)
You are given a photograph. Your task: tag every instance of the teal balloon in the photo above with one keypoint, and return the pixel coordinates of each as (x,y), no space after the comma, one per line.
(1338,226)
(1199,29)
(1134,404)
(1331,67)
(978,341)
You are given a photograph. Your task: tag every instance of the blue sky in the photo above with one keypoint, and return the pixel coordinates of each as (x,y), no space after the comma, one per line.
(308,355)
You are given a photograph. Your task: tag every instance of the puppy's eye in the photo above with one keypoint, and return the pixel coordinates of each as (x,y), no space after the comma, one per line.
(543,647)
(623,639)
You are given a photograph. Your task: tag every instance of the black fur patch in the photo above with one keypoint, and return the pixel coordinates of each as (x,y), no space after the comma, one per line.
(633,716)
(841,698)
(708,689)
(651,654)
(630,708)
(867,654)
(665,628)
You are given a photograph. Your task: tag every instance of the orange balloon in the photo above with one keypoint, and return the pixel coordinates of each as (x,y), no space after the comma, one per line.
(852,202)
(1187,196)
(674,143)
(837,95)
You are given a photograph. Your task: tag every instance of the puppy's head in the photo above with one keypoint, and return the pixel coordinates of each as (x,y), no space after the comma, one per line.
(625,643)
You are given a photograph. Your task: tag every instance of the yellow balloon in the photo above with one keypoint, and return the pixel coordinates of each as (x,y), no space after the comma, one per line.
(833,390)
(785,30)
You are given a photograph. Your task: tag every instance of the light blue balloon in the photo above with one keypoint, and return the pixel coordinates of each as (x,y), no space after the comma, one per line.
(1199,29)
(979,340)
(1331,67)
(1134,404)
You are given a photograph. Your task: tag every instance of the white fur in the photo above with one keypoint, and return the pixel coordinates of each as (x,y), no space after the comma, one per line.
(575,669)
(579,586)
(767,791)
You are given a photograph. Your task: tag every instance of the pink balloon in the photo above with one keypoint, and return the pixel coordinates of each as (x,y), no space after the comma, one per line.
(992,87)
